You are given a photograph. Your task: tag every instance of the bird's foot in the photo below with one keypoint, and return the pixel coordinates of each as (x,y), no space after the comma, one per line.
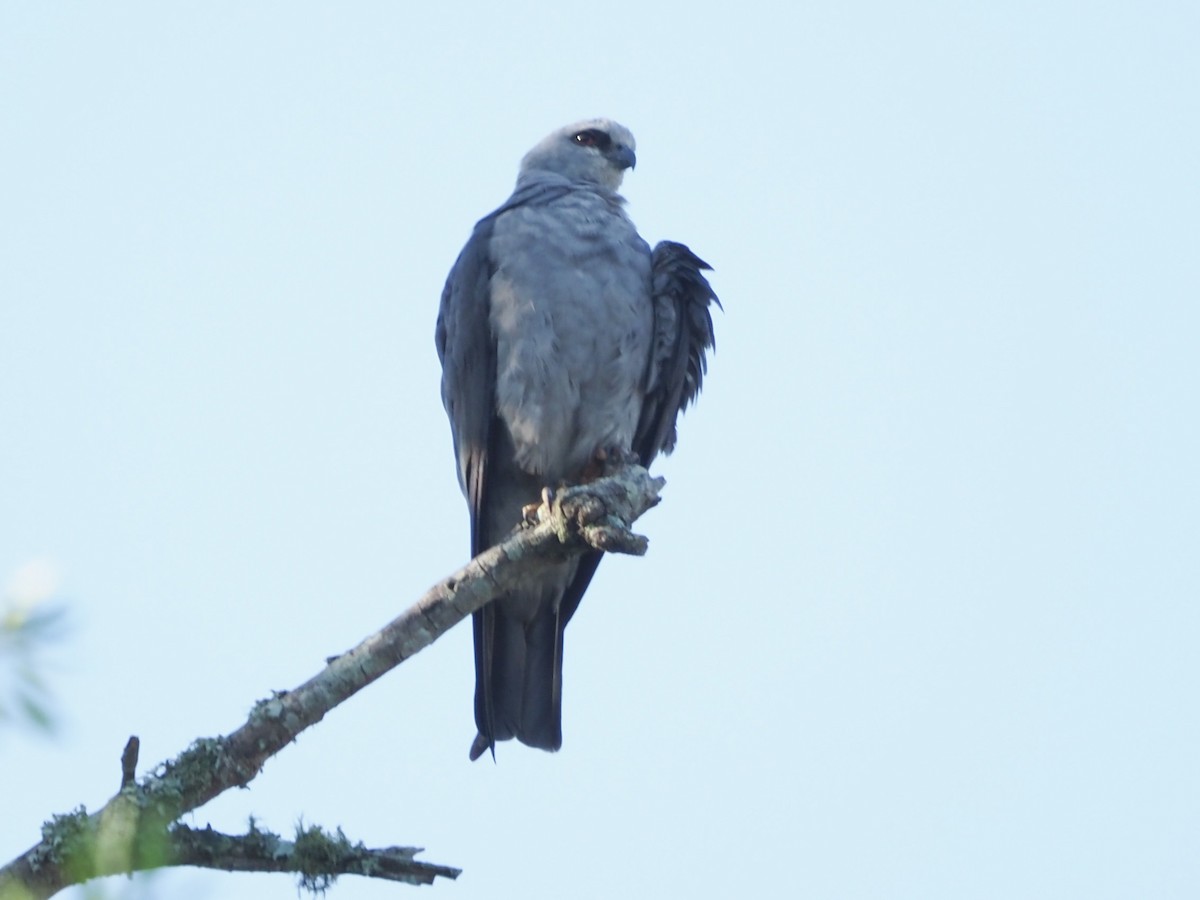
(530,512)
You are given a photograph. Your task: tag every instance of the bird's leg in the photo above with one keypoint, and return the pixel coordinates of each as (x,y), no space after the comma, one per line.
(606,461)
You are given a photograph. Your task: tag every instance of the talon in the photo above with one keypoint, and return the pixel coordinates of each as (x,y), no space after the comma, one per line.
(529,512)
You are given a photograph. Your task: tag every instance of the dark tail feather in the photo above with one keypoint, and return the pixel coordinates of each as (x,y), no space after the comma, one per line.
(518,691)
(541,694)
(484,624)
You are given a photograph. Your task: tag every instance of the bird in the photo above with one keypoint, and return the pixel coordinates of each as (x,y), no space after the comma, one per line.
(562,336)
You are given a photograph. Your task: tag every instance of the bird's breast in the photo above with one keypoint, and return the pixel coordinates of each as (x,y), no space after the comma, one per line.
(571,314)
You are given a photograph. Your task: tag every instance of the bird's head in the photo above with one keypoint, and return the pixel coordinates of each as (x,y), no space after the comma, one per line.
(597,151)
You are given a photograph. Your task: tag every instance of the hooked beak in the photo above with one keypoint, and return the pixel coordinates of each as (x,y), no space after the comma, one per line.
(623,158)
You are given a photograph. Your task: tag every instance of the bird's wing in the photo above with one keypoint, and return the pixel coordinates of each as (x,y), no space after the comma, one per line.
(683,334)
(467,352)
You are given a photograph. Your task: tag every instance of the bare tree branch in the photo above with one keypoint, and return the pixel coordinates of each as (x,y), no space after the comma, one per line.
(315,855)
(134,830)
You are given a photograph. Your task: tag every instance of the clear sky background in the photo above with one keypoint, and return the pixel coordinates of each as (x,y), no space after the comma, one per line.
(920,615)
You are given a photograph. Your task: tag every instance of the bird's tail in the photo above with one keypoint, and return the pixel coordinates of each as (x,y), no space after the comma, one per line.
(518,680)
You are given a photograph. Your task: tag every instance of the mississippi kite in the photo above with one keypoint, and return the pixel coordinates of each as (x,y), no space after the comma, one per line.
(560,334)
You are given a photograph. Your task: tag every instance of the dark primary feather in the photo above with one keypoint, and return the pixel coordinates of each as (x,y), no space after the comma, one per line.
(683,333)
(467,352)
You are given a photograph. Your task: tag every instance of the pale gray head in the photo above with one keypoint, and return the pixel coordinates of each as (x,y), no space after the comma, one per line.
(597,151)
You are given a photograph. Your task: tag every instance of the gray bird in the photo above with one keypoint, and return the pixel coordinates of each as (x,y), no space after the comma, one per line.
(560,335)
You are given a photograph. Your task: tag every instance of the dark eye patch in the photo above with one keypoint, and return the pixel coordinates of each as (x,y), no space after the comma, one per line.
(593,137)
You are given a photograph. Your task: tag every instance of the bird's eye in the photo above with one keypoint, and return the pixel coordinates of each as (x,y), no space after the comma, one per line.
(593,137)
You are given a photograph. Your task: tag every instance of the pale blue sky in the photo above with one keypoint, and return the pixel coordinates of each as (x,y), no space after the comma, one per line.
(919,618)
